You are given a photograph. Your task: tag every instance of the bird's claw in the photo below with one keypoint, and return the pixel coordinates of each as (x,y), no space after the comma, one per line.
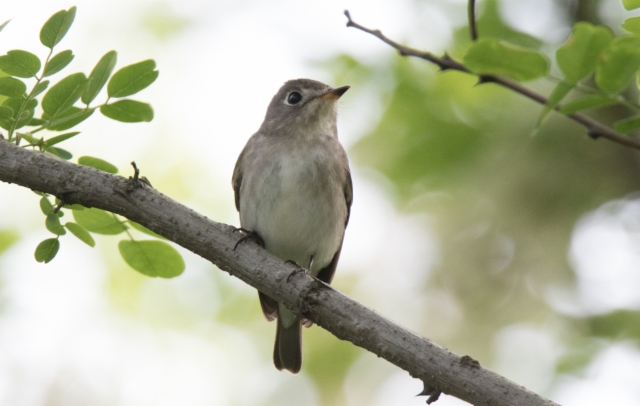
(248,235)
(296,271)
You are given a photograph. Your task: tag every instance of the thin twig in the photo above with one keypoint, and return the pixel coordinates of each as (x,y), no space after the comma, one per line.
(473,28)
(59,206)
(594,128)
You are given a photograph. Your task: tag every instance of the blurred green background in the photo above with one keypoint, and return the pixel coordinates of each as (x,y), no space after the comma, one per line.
(515,245)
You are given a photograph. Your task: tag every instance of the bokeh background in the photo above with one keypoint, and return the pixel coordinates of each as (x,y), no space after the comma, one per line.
(517,246)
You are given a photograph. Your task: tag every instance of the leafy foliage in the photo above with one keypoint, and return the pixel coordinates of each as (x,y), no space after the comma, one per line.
(60,112)
(128,111)
(12,87)
(152,258)
(579,55)
(503,204)
(47,250)
(98,164)
(20,63)
(132,79)
(58,62)
(489,56)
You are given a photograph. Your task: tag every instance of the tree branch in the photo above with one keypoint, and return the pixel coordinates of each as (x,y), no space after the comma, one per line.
(473,27)
(594,128)
(439,369)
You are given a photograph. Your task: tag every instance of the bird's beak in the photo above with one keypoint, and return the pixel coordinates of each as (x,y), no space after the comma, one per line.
(334,94)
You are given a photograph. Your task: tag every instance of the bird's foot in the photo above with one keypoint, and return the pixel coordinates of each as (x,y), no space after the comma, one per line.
(299,269)
(248,235)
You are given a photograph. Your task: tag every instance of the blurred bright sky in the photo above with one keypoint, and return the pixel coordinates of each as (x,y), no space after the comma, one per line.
(61,340)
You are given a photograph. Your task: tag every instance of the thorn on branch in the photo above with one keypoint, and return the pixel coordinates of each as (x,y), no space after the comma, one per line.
(482,79)
(136,172)
(137,181)
(59,206)
(593,134)
(349,20)
(470,362)
(430,391)
(434,397)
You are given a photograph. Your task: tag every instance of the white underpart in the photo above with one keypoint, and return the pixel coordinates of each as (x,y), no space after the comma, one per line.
(296,201)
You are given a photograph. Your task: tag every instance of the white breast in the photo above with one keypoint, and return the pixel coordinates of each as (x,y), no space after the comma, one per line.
(296,202)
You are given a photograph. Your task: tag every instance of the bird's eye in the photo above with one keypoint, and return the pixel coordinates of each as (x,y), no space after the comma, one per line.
(294,98)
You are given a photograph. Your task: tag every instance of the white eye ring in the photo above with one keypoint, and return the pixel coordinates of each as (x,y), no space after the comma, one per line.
(293,98)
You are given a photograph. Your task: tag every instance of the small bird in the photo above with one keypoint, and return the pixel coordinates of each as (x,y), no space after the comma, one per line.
(293,190)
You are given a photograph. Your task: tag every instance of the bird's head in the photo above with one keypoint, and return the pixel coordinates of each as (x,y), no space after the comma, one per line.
(305,105)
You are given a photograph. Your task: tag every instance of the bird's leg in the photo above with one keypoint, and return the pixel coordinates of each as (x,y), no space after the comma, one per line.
(299,268)
(248,235)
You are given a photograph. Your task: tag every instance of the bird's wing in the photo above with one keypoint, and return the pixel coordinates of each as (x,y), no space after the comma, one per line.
(326,273)
(236,179)
(348,196)
(269,306)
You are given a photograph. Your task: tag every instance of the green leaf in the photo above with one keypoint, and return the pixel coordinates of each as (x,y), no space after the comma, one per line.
(99,76)
(56,27)
(27,112)
(98,164)
(578,56)
(31,139)
(133,78)
(12,87)
(40,87)
(618,64)
(98,221)
(63,94)
(615,325)
(632,25)
(46,206)
(7,239)
(627,125)
(47,250)
(82,234)
(6,112)
(35,121)
(58,62)
(59,152)
(145,230)
(59,138)
(53,224)
(559,92)
(128,111)
(20,63)
(631,4)
(70,118)
(152,258)
(488,56)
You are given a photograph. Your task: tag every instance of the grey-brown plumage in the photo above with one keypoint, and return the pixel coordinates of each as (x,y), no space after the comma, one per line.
(293,189)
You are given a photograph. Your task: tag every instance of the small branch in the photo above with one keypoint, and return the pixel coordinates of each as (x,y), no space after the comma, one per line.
(439,369)
(136,171)
(473,28)
(59,206)
(594,128)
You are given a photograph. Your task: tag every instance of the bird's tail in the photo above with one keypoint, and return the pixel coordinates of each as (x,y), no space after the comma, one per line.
(287,352)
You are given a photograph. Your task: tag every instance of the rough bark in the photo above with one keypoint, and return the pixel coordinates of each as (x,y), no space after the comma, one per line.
(438,368)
